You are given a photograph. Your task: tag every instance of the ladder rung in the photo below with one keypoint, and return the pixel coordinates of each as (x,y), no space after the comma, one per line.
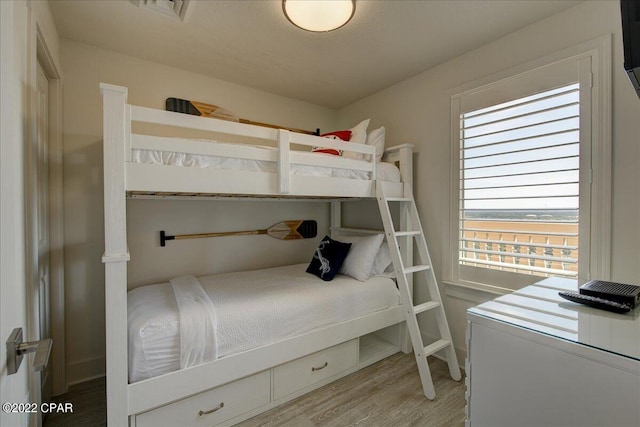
(398,199)
(416,268)
(435,347)
(407,233)
(421,308)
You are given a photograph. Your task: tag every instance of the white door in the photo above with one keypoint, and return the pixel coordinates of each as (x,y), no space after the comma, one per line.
(13,302)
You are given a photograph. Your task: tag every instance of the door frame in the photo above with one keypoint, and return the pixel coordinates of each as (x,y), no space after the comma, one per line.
(40,52)
(56,216)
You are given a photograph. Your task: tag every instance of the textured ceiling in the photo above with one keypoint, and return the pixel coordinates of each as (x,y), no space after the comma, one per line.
(251,43)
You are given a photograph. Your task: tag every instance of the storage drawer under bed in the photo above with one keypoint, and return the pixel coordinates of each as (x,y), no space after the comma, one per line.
(212,407)
(301,373)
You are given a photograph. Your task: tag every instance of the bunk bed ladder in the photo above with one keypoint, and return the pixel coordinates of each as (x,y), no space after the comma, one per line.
(402,272)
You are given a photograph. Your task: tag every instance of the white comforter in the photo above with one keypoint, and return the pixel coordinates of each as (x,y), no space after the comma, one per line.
(384,171)
(252,308)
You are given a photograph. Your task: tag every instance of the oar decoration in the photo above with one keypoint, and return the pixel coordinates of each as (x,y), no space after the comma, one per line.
(209,110)
(285,230)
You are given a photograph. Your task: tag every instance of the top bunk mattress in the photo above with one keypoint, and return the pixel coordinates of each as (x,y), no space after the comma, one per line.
(384,171)
(252,309)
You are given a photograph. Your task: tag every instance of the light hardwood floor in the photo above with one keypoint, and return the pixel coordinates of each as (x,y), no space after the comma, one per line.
(387,393)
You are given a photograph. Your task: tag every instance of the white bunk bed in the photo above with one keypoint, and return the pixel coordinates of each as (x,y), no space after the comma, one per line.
(249,380)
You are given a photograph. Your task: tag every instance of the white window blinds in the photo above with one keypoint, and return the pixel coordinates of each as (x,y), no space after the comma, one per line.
(519,184)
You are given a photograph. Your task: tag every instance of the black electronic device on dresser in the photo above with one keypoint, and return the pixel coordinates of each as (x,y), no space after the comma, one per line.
(619,292)
(630,13)
(611,296)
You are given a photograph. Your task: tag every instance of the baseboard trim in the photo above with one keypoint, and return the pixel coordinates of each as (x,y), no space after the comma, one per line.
(85,370)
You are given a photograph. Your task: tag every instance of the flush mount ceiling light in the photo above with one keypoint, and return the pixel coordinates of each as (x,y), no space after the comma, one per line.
(319,15)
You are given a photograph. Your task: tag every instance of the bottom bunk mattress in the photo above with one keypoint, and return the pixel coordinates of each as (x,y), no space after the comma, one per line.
(243,310)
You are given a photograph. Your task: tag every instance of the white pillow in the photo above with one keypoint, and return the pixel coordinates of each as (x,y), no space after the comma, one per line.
(358,136)
(376,138)
(382,261)
(362,255)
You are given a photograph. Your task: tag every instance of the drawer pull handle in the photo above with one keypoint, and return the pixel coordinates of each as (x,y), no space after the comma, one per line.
(313,369)
(211,411)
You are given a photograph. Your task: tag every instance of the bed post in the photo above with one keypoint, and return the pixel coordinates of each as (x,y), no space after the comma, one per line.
(336,214)
(115,131)
(284,171)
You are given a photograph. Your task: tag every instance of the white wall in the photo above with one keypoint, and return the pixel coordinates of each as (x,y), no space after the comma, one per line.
(151,263)
(417,111)
(149,85)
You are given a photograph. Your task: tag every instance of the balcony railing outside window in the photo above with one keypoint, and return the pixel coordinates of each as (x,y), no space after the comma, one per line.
(537,247)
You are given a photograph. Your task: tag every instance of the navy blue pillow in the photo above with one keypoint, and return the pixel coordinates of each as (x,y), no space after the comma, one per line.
(328,258)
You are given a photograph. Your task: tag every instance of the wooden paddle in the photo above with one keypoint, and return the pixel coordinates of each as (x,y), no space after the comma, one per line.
(209,110)
(286,230)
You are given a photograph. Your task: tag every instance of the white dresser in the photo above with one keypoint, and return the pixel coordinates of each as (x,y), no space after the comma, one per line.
(535,359)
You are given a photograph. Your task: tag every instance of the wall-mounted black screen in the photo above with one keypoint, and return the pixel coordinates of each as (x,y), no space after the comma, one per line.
(630,11)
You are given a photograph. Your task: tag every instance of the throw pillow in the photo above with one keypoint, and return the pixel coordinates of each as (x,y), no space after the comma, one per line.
(359,262)
(358,136)
(382,261)
(376,138)
(328,258)
(342,135)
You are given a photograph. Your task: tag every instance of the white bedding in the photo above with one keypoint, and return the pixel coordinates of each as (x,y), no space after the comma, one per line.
(384,171)
(198,322)
(253,308)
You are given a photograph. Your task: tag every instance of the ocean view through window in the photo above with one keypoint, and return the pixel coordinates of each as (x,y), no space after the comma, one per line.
(519,184)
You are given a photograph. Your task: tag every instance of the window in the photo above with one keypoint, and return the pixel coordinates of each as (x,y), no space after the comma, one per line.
(525,181)
(519,184)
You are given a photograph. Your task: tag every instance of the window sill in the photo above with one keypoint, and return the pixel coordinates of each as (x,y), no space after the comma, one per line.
(474,292)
